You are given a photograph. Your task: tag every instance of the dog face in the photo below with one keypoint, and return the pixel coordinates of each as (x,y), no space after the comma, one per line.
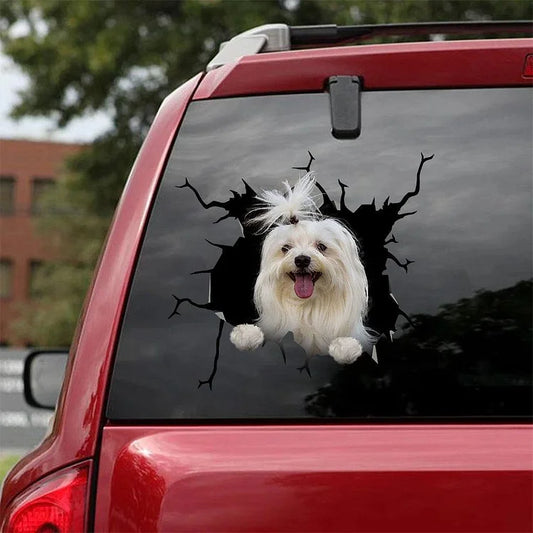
(309,260)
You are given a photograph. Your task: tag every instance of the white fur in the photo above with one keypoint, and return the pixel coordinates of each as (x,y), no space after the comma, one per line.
(331,319)
(247,337)
(279,207)
(345,350)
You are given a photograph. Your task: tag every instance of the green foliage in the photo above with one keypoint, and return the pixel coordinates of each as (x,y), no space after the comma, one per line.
(76,232)
(7,462)
(124,57)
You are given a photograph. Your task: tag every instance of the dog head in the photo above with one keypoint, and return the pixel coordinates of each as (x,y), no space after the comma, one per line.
(312,259)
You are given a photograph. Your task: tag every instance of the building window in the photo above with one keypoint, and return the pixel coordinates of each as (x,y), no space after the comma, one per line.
(6,278)
(7,195)
(40,189)
(34,285)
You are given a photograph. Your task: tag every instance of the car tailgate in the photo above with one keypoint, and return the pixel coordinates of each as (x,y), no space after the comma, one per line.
(315,478)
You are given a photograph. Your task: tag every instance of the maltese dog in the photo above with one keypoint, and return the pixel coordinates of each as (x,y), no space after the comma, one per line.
(311,280)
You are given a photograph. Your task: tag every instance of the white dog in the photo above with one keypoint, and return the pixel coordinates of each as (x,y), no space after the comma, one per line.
(311,280)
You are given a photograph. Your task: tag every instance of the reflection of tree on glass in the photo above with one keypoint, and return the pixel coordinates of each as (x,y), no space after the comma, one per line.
(233,278)
(474,354)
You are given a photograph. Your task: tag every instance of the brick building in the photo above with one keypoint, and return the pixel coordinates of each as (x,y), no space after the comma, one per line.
(27,170)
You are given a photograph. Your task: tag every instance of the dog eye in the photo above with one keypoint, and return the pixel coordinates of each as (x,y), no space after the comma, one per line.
(286,248)
(321,247)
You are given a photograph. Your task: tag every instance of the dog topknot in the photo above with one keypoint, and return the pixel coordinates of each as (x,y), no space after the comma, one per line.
(288,206)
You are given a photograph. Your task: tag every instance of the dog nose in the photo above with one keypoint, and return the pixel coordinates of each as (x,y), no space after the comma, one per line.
(302,261)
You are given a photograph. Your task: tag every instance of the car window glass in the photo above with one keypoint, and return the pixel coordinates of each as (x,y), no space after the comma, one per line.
(450,293)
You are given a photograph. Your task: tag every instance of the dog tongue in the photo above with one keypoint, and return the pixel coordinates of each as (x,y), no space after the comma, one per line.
(303,286)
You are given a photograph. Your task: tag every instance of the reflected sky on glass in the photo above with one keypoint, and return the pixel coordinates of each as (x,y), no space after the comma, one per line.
(471,230)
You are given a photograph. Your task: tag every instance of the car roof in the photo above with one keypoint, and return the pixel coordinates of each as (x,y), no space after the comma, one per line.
(281,37)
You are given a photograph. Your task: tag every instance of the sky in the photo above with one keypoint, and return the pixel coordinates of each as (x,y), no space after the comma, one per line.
(13,81)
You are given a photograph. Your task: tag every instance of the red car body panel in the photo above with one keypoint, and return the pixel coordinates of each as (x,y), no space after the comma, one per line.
(402,66)
(316,477)
(320,478)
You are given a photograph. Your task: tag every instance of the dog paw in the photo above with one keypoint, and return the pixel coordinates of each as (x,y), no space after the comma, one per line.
(246,337)
(345,350)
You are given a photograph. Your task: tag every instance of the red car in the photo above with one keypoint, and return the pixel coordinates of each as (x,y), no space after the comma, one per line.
(422,152)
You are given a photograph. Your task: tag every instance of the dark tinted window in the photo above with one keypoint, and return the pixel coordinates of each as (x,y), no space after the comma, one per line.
(6,278)
(462,340)
(36,273)
(41,187)
(7,195)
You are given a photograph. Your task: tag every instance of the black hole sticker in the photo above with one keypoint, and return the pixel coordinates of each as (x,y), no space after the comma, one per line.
(305,266)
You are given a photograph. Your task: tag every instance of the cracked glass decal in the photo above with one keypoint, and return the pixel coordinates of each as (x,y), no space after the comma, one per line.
(279,229)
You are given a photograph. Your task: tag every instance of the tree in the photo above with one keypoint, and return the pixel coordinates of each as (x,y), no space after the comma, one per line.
(124,57)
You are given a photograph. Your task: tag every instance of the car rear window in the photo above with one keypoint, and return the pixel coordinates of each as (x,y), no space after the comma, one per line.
(448,261)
